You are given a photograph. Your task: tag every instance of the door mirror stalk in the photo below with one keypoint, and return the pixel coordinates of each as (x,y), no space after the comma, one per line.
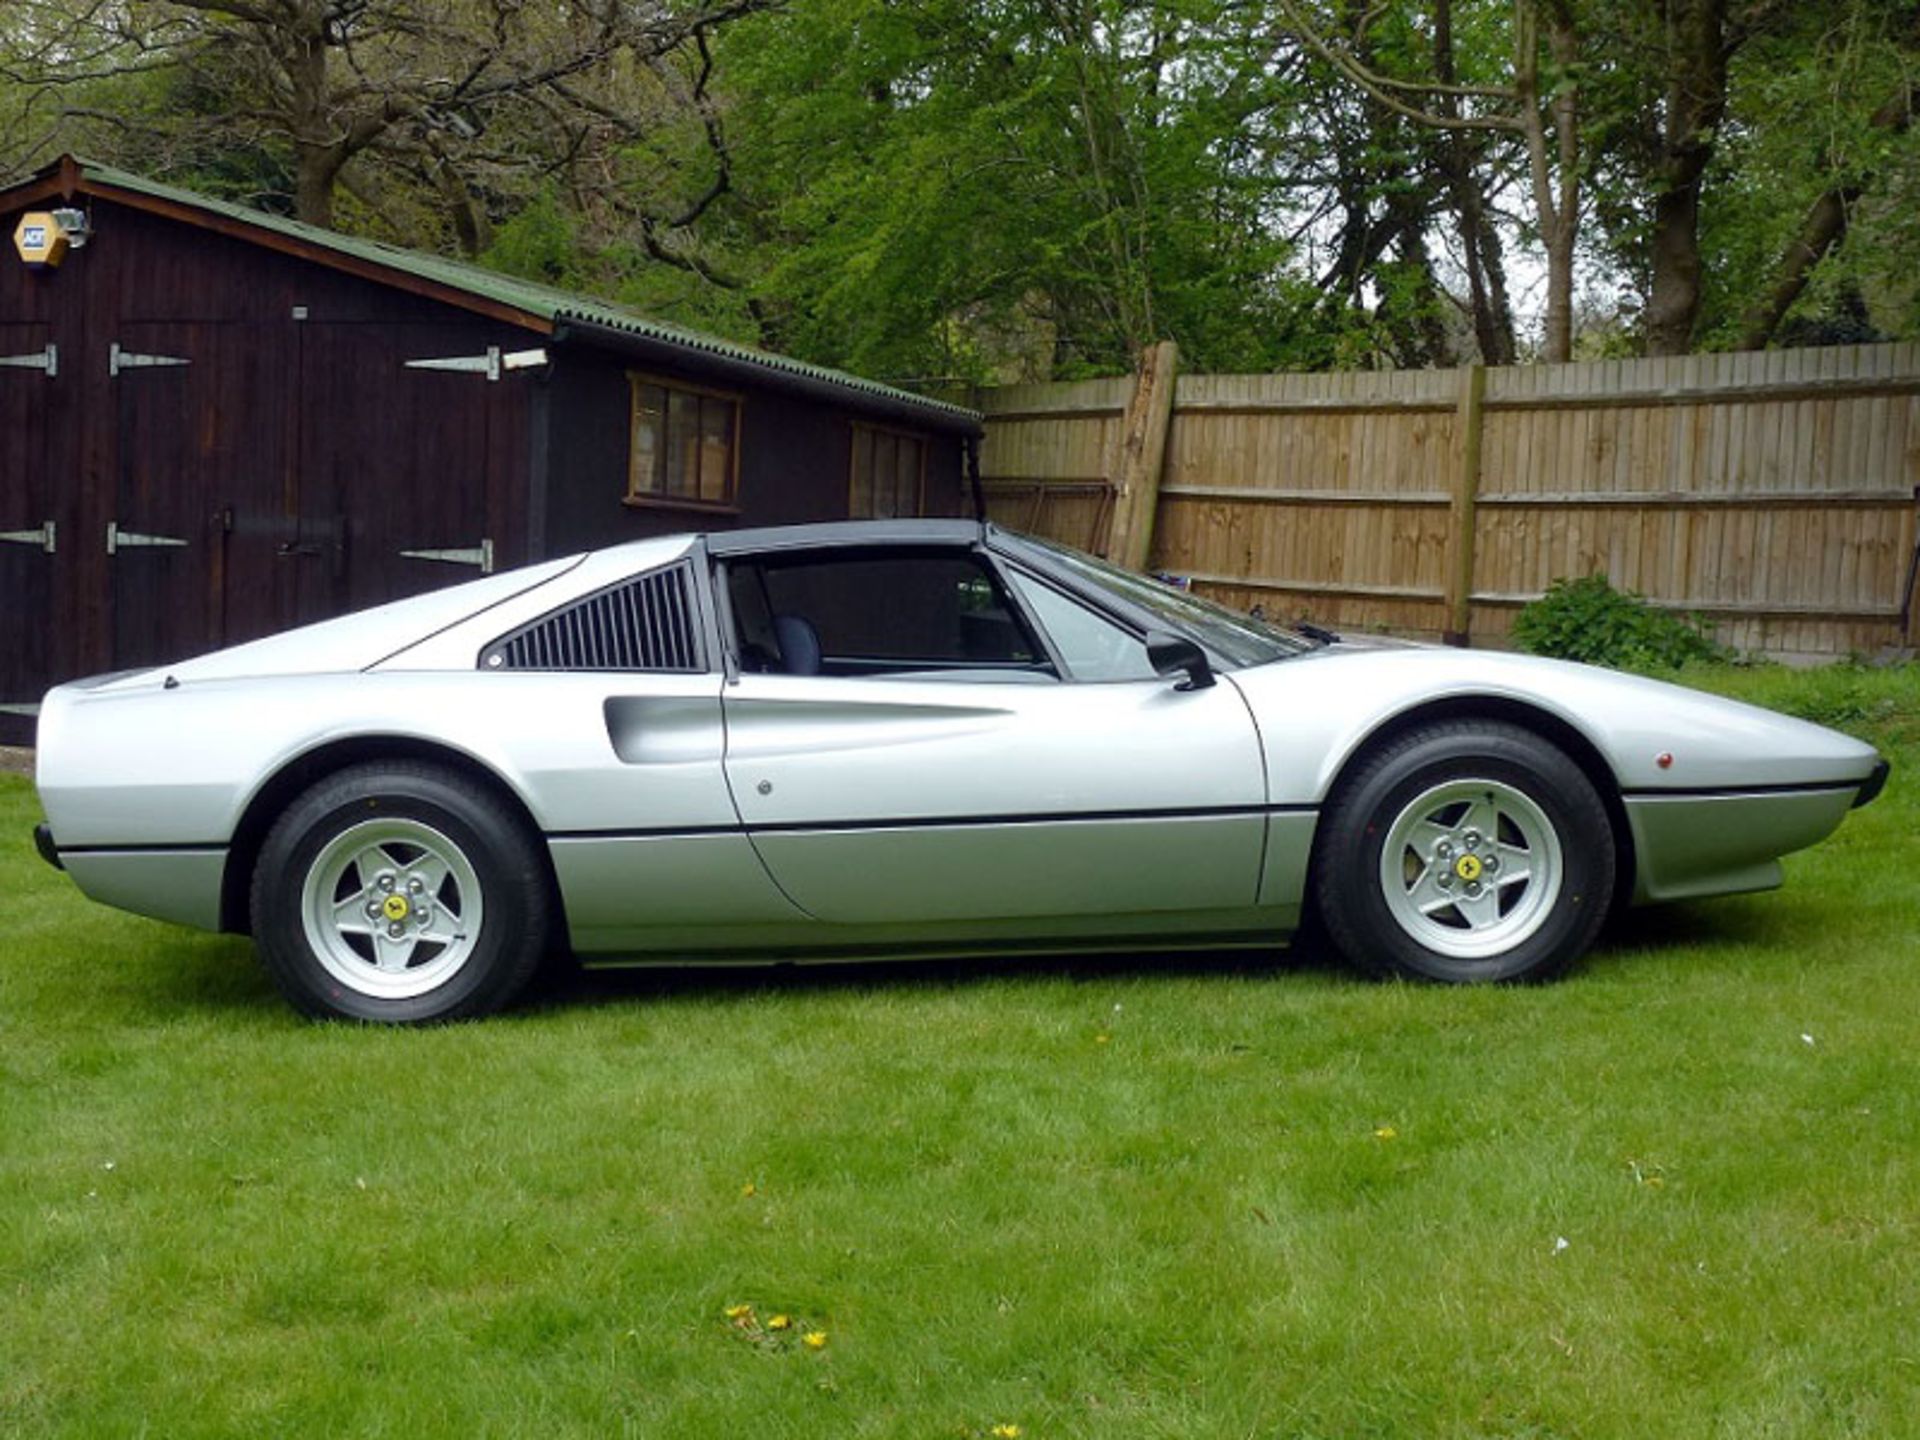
(1171,654)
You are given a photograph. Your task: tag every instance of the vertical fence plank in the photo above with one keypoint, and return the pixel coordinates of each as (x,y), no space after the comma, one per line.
(1143,448)
(1469,432)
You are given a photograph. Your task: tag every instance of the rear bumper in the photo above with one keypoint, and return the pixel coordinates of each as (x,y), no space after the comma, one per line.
(169,884)
(43,842)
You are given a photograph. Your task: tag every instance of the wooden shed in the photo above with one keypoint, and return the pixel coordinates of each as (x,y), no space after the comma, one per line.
(216,423)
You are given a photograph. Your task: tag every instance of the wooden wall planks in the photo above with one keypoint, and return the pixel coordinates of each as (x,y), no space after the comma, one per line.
(1773,493)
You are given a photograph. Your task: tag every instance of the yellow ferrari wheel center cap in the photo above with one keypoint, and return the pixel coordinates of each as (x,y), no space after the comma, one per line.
(395,907)
(1467,867)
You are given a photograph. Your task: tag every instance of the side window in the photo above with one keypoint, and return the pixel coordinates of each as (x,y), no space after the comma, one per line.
(1093,646)
(867,614)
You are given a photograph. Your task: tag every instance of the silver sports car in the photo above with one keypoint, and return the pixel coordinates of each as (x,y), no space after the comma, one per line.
(893,738)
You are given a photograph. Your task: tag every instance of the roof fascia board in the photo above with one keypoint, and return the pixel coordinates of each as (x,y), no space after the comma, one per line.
(706,364)
(293,245)
(33,190)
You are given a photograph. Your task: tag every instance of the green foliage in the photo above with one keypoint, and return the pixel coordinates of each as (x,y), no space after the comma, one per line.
(1027,189)
(1803,94)
(1590,621)
(540,242)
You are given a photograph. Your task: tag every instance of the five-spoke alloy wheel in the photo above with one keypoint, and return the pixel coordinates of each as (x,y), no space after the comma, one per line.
(401,892)
(1465,850)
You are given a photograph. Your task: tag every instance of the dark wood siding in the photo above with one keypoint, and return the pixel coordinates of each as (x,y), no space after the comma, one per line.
(294,453)
(795,460)
(296,456)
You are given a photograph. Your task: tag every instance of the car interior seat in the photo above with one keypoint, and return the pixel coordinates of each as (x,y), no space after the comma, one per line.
(799,644)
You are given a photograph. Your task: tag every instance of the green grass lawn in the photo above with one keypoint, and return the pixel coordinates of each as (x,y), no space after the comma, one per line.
(1677,1194)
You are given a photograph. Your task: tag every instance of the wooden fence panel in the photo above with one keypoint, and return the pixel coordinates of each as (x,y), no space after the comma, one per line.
(1050,456)
(1773,493)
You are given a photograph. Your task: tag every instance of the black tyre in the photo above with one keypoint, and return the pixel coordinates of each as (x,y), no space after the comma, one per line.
(1464,851)
(400,892)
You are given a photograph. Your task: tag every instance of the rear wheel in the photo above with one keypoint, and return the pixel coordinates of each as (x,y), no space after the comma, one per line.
(400,892)
(1465,851)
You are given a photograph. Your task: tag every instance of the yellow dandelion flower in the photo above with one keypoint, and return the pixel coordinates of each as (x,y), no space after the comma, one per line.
(749,1190)
(780,1322)
(814,1339)
(1101,1039)
(1386,1132)
(739,1312)
(1006,1432)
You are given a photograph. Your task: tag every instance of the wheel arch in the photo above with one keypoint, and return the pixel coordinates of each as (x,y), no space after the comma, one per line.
(308,769)
(1549,727)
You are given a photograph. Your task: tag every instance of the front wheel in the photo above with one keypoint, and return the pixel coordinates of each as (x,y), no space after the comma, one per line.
(400,892)
(1465,851)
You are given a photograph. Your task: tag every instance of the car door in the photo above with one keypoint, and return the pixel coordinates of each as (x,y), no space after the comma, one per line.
(903,749)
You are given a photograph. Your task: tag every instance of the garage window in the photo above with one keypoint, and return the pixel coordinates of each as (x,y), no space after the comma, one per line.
(889,476)
(685,444)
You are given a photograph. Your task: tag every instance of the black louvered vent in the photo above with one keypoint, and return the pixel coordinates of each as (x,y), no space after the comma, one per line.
(645,624)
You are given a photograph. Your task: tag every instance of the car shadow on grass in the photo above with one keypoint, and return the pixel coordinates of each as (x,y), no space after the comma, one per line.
(207,973)
(569,986)
(1766,922)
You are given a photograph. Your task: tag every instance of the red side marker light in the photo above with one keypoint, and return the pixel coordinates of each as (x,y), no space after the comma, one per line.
(1664,759)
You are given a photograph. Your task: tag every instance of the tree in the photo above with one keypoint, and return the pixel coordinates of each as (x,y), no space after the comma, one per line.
(446,94)
(1538,102)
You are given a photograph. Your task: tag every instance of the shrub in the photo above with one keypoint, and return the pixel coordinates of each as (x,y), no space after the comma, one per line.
(1590,621)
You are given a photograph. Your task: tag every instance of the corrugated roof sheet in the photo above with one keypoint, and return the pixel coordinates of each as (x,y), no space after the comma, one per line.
(543,301)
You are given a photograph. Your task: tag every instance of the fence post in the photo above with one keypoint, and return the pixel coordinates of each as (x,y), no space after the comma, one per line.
(1143,451)
(1466,490)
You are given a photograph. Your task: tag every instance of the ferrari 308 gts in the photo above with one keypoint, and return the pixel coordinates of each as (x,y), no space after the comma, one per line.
(894,738)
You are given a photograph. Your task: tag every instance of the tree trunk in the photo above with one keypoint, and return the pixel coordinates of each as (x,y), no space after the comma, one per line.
(1499,306)
(316,161)
(1479,242)
(1557,342)
(1555,174)
(1696,104)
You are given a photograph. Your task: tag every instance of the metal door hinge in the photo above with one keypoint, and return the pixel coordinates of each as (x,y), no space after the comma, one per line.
(493,364)
(118,539)
(481,555)
(47,360)
(118,360)
(46,537)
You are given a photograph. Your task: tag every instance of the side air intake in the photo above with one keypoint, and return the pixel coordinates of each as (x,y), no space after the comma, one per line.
(643,624)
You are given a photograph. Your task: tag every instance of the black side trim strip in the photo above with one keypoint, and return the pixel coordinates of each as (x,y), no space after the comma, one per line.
(1734,792)
(941,822)
(182,848)
(669,832)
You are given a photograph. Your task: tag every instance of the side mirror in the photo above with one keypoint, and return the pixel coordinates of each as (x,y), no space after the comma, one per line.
(1175,654)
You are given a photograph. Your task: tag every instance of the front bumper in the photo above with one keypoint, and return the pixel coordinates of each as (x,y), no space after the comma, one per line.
(1876,782)
(1689,845)
(43,842)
